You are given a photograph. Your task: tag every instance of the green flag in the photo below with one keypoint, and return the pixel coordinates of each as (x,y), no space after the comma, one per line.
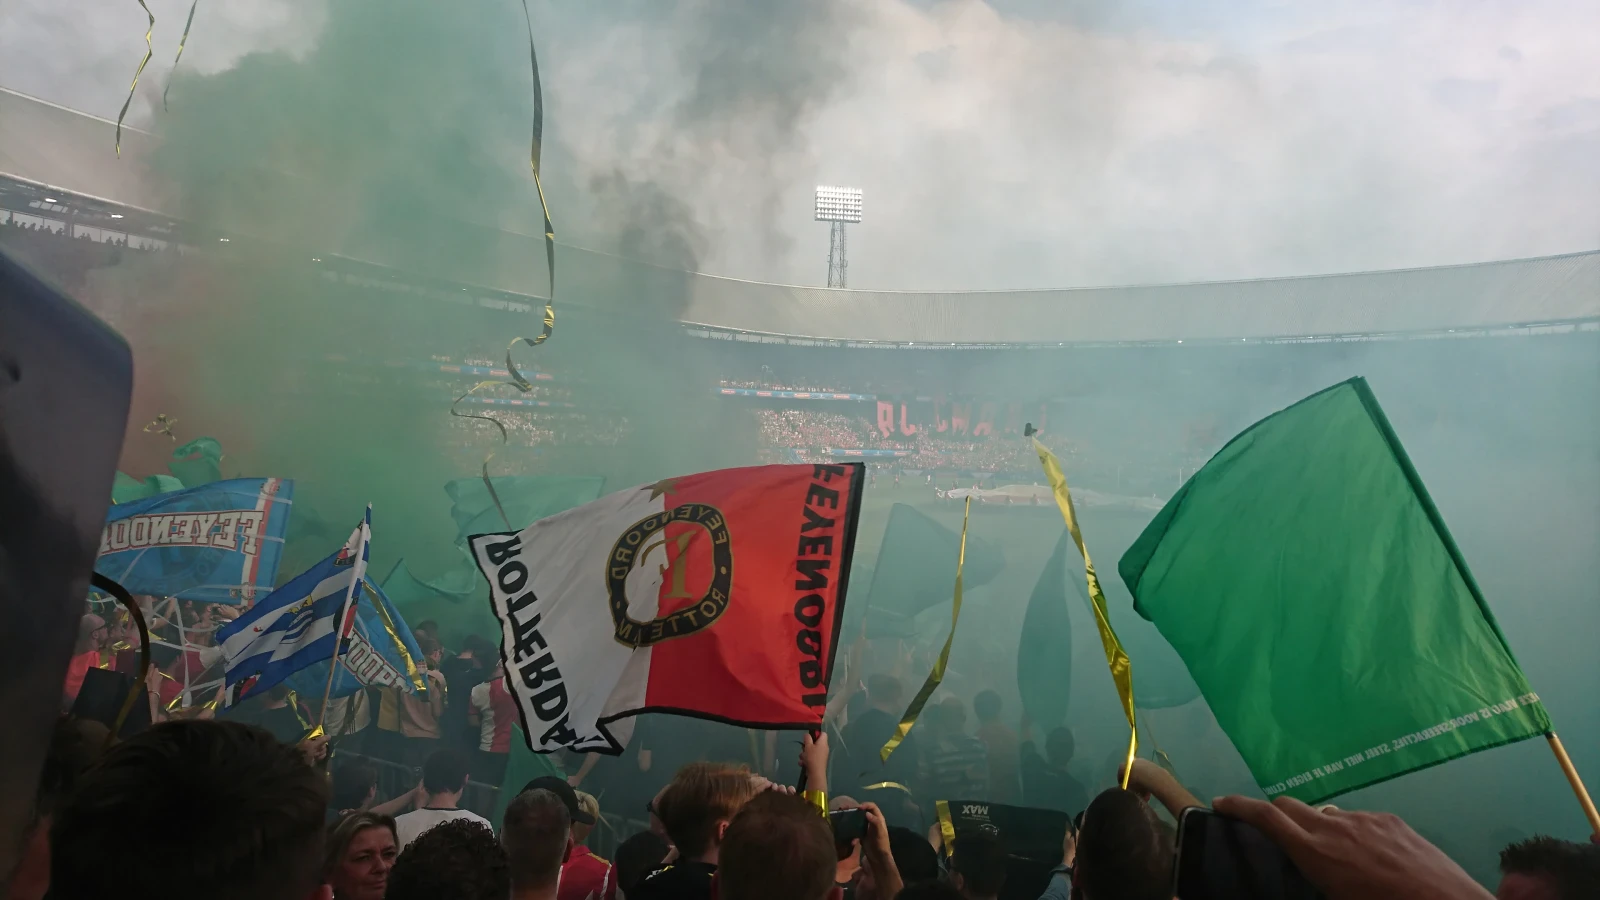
(197,462)
(913,569)
(1044,652)
(525,498)
(1317,598)
(522,766)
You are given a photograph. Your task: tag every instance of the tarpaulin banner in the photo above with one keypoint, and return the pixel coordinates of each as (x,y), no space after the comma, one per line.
(216,543)
(716,595)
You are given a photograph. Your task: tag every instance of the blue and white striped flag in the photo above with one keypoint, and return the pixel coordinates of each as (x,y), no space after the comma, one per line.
(297,625)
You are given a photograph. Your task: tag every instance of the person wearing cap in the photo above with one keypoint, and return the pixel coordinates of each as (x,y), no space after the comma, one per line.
(581,818)
(585,874)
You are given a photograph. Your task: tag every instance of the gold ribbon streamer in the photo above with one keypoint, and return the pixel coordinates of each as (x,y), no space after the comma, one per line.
(149,51)
(394,635)
(888,785)
(937,675)
(518,381)
(947,828)
(138,689)
(1116,657)
(184,39)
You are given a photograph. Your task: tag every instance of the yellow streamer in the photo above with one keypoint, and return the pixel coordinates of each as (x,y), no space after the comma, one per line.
(182,40)
(518,381)
(394,635)
(149,51)
(888,785)
(1116,657)
(937,675)
(947,828)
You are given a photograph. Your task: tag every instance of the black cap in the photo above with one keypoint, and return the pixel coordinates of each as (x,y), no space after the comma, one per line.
(560,788)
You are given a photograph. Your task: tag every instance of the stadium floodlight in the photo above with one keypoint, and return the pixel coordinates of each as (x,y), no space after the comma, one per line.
(840,206)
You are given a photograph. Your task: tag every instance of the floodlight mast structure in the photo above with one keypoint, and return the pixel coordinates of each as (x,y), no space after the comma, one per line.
(840,206)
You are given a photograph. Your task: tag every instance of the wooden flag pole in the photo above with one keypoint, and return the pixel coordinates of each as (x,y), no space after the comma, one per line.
(1576,782)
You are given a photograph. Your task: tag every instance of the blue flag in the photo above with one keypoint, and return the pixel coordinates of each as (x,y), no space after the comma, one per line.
(297,625)
(379,652)
(216,543)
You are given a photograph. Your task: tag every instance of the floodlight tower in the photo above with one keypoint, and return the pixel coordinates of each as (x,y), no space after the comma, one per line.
(841,206)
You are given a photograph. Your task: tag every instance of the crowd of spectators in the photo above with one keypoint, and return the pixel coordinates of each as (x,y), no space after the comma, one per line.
(231,809)
(809,431)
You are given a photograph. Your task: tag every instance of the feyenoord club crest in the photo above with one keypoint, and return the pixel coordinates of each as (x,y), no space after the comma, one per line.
(633,549)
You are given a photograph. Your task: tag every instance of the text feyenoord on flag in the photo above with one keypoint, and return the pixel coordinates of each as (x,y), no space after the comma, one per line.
(716,595)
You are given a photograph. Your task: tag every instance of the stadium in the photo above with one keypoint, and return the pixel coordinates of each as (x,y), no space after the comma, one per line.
(339,362)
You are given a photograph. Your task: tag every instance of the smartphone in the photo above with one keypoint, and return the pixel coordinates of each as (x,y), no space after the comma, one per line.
(1225,859)
(848,825)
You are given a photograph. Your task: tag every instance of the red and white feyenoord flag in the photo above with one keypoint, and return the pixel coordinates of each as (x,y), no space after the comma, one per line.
(716,595)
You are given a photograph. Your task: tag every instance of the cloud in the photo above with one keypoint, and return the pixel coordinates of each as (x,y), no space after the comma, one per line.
(998,150)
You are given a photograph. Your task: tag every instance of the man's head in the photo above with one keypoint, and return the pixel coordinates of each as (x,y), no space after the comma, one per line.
(1544,868)
(987,706)
(537,836)
(277,695)
(1059,747)
(355,785)
(246,825)
(569,798)
(978,867)
(478,649)
(91,633)
(426,628)
(636,856)
(1124,851)
(431,649)
(445,772)
(460,859)
(697,806)
(883,690)
(777,848)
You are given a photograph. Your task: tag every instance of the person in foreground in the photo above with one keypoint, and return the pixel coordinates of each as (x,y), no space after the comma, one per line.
(1545,868)
(779,847)
(361,851)
(537,836)
(132,826)
(459,859)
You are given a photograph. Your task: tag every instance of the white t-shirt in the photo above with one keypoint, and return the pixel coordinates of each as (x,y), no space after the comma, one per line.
(408,826)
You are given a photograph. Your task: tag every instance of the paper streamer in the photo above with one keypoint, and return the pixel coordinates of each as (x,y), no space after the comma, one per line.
(149,51)
(937,675)
(1116,657)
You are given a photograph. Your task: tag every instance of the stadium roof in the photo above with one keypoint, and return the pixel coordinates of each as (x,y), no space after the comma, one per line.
(52,147)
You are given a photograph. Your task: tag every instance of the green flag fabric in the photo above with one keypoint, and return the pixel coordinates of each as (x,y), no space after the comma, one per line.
(1310,585)
(1044,652)
(522,766)
(126,488)
(526,499)
(197,462)
(455,586)
(915,563)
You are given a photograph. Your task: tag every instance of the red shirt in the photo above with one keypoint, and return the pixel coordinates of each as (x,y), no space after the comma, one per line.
(587,877)
(77,668)
(497,711)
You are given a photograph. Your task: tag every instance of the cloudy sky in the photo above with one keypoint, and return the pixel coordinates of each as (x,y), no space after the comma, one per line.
(1014,143)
